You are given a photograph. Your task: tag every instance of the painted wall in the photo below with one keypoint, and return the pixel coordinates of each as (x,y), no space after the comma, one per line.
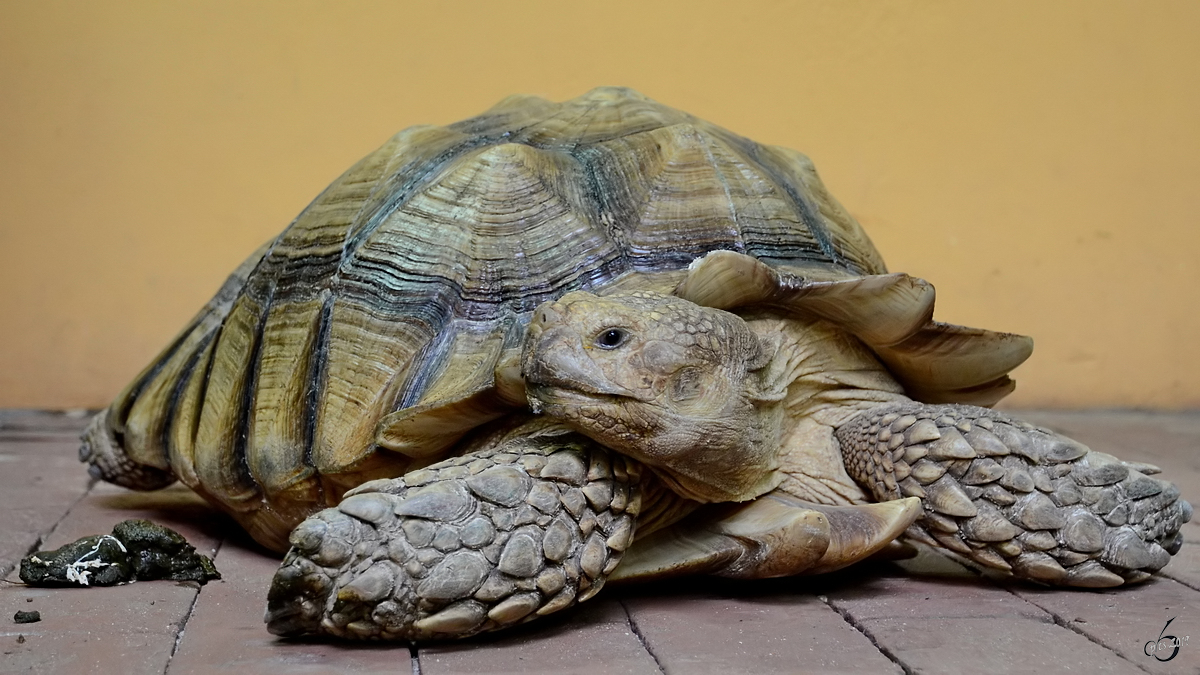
(1039,162)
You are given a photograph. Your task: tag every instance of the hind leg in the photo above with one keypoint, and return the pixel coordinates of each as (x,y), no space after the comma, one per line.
(107,460)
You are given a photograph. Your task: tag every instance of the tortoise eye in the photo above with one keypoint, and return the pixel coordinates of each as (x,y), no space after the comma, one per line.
(611,338)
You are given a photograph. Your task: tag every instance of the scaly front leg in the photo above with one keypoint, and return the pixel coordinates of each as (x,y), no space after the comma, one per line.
(526,526)
(1016,497)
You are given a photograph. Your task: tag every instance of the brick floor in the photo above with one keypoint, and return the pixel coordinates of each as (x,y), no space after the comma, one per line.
(926,615)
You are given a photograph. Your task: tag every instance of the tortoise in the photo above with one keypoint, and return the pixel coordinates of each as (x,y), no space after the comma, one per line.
(497,364)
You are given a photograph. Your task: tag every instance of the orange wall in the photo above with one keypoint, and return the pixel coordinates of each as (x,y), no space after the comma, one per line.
(1038,161)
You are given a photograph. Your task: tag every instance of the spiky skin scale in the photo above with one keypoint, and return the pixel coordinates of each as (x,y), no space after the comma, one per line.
(475,543)
(1016,497)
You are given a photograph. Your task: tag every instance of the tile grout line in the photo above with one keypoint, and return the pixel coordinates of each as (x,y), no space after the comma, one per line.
(43,536)
(188,616)
(1062,622)
(862,629)
(415,657)
(1058,620)
(641,638)
(1178,580)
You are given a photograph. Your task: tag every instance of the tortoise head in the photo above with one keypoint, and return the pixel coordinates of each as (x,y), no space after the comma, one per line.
(675,385)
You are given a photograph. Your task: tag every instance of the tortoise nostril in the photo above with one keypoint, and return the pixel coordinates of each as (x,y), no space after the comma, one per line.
(547,315)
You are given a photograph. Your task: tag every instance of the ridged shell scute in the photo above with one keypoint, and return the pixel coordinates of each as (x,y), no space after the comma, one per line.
(270,400)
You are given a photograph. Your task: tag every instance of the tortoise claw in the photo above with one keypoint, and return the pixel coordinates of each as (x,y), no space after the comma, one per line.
(773,536)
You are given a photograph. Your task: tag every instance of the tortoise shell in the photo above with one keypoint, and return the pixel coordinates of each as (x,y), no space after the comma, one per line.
(417,270)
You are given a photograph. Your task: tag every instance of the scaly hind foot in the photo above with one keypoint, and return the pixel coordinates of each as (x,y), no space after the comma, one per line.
(107,460)
(471,544)
(1016,497)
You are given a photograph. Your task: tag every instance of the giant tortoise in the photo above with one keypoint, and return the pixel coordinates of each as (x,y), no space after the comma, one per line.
(498,363)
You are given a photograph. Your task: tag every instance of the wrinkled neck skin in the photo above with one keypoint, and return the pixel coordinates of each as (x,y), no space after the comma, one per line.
(829,377)
(731,453)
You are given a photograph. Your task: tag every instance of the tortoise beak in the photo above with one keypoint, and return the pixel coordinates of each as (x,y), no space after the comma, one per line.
(556,360)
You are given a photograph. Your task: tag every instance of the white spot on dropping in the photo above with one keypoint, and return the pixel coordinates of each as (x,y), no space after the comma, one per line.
(77,572)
